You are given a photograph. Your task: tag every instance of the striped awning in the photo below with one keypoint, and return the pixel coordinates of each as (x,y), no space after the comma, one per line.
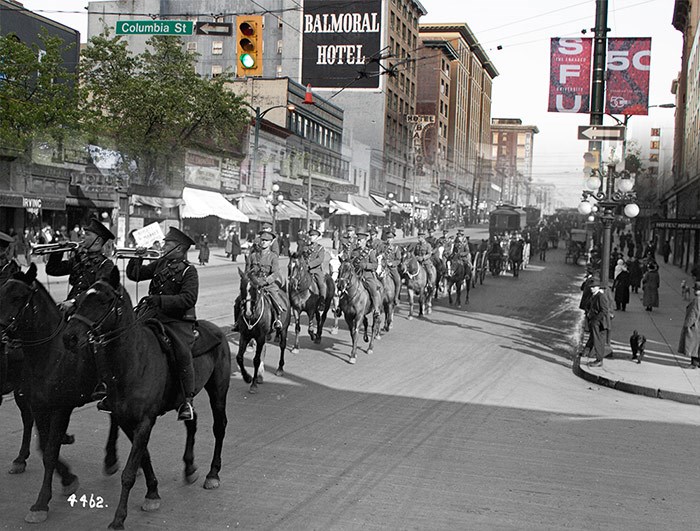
(296,210)
(255,208)
(341,207)
(366,204)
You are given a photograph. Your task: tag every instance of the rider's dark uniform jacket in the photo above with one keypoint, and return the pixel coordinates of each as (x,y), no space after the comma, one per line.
(347,244)
(175,281)
(392,255)
(82,268)
(422,250)
(314,254)
(365,261)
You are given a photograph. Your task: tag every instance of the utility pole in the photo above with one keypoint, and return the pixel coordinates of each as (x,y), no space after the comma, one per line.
(600,44)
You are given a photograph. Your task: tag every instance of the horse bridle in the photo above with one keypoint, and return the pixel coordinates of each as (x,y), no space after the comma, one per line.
(11,327)
(248,300)
(95,337)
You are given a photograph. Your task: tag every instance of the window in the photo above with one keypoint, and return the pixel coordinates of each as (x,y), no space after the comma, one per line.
(216,70)
(191,46)
(280,46)
(217,47)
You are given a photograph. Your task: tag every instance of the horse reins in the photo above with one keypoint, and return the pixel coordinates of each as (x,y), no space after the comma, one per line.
(12,325)
(262,312)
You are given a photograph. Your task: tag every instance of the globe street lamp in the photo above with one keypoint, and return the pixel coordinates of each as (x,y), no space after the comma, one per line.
(616,195)
(390,203)
(275,200)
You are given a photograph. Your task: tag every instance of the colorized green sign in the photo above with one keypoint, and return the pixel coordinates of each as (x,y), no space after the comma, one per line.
(154,27)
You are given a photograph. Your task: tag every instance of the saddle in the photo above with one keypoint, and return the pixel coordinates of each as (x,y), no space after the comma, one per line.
(205,340)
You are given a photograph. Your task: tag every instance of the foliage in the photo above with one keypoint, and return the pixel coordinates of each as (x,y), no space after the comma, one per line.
(154,104)
(36,95)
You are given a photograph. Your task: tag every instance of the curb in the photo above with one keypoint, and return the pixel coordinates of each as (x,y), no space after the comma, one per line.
(685,398)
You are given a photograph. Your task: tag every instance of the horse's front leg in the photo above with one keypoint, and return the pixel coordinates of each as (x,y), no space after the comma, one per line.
(336,306)
(256,366)
(449,293)
(354,326)
(240,359)
(411,295)
(190,474)
(283,346)
(376,322)
(364,327)
(111,461)
(20,462)
(297,329)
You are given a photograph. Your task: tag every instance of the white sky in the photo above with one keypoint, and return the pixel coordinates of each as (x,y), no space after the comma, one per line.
(523,28)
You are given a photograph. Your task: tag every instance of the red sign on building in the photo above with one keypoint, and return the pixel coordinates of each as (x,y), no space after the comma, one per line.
(570,75)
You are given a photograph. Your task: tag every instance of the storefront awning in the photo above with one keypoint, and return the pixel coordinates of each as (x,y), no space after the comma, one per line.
(155,202)
(203,203)
(255,208)
(296,210)
(341,207)
(90,202)
(384,204)
(366,204)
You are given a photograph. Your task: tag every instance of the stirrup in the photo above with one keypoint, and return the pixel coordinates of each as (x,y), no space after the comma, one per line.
(103,406)
(100,392)
(277,325)
(186,411)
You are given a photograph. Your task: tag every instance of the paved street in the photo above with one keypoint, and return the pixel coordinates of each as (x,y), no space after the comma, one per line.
(467,419)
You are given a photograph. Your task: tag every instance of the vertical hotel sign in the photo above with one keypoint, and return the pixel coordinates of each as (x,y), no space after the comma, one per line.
(341,41)
(570,75)
(627,84)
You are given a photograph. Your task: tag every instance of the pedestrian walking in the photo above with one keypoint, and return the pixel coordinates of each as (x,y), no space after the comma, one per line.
(621,286)
(203,249)
(636,274)
(689,342)
(598,317)
(650,287)
(666,250)
(235,245)
(543,244)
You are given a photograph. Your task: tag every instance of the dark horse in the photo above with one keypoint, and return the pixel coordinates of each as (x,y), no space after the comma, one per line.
(255,322)
(356,304)
(303,298)
(142,385)
(459,273)
(59,379)
(388,298)
(415,277)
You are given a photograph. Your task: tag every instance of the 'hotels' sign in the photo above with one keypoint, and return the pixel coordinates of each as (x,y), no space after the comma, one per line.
(341,43)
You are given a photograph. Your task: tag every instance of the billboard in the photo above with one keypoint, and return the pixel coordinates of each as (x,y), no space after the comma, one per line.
(341,43)
(627,84)
(570,75)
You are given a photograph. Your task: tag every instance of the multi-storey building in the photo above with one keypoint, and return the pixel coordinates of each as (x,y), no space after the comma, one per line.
(465,86)
(512,158)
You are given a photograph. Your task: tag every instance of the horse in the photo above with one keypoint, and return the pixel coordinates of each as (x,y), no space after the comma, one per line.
(334,267)
(515,257)
(459,273)
(303,298)
(255,322)
(58,379)
(142,383)
(416,279)
(438,261)
(388,297)
(356,304)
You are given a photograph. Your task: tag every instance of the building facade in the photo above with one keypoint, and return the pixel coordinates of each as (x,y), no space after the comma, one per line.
(512,155)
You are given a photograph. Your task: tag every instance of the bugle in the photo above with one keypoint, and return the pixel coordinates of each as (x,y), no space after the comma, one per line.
(49,248)
(130,252)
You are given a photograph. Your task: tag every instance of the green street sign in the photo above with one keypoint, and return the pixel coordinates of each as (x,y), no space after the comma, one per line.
(155,27)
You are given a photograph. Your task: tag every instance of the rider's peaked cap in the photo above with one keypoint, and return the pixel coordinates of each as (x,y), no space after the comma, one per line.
(5,239)
(179,237)
(348,227)
(266,236)
(421,232)
(98,228)
(314,232)
(362,234)
(388,234)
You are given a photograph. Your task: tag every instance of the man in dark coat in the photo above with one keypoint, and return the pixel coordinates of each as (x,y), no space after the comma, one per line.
(598,316)
(423,251)
(173,293)
(392,259)
(364,258)
(314,253)
(347,242)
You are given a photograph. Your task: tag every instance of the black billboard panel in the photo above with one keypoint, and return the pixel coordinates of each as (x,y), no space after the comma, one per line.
(341,42)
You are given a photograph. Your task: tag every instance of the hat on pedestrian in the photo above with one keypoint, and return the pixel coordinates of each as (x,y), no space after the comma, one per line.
(314,232)
(350,227)
(266,236)
(388,234)
(178,236)
(98,228)
(5,240)
(595,283)
(362,234)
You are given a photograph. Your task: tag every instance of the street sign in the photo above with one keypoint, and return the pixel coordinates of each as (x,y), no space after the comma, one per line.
(601,132)
(216,29)
(154,27)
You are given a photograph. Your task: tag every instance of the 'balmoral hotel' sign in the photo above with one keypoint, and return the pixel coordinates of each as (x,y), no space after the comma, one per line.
(340,39)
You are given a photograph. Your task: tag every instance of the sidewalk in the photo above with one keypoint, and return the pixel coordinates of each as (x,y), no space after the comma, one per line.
(663,373)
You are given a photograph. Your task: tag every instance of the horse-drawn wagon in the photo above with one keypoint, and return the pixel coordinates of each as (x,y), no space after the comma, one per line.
(576,246)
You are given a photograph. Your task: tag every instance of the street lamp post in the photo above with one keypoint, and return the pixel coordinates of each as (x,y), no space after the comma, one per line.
(390,204)
(275,200)
(610,199)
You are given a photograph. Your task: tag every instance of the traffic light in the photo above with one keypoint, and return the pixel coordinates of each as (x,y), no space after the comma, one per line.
(591,160)
(249,45)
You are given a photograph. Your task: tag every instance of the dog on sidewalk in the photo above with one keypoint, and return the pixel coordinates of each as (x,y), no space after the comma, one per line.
(637,344)
(685,290)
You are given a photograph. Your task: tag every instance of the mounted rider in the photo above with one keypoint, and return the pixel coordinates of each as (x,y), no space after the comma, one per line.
(263,264)
(173,293)
(8,265)
(302,242)
(348,242)
(84,267)
(374,242)
(315,254)
(364,259)
(423,251)
(392,259)
(431,239)
(461,250)
(274,246)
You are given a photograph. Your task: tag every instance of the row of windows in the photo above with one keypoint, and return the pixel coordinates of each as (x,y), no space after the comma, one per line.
(314,131)
(399,52)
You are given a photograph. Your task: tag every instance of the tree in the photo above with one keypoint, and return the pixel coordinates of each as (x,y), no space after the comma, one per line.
(36,93)
(154,105)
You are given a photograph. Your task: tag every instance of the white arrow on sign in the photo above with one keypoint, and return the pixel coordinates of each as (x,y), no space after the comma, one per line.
(601,132)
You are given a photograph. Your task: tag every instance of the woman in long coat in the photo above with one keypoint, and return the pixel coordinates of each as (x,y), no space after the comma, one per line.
(621,287)
(636,275)
(235,245)
(690,334)
(650,285)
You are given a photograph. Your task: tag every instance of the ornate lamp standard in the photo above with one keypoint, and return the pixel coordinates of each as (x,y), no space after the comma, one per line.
(444,207)
(275,200)
(616,195)
(390,204)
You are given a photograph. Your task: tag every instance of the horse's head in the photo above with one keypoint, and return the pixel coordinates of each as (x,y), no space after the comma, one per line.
(346,274)
(98,311)
(250,293)
(297,271)
(16,300)
(408,264)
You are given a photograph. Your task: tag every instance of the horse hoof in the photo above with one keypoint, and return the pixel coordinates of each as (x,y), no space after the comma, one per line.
(211,483)
(317,341)
(352,361)
(17,468)
(253,390)
(260,379)
(72,488)
(68,439)
(115,526)
(410,318)
(334,331)
(110,470)
(295,350)
(150,505)
(370,352)
(36,517)
(194,476)
(247,378)
(279,372)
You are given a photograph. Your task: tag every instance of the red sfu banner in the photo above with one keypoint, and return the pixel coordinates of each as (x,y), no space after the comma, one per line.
(627,84)
(570,75)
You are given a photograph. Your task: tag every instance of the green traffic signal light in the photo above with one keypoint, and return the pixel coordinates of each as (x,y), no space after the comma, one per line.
(247,60)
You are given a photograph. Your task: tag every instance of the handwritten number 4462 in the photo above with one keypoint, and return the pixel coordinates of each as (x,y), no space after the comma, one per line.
(93,502)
